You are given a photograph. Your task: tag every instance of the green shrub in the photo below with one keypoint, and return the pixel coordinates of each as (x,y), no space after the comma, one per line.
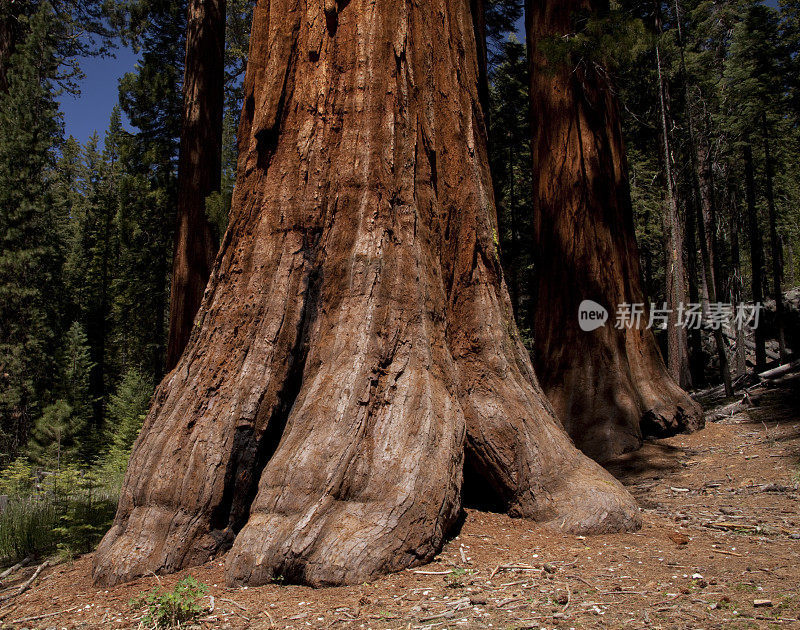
(127,409)
(165,609)
(17,479)
(65,512)
(26,528)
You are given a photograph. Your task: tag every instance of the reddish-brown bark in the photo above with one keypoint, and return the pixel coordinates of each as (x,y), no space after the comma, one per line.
(199,167)
(355,351)
(607,386)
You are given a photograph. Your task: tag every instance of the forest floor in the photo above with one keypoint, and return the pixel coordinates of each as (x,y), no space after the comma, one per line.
(720,547)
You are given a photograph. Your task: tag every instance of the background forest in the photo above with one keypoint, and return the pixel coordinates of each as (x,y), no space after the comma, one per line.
(710,97)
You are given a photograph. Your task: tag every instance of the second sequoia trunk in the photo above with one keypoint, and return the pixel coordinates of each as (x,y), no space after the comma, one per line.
(355,357)
(608,386)
(199,167)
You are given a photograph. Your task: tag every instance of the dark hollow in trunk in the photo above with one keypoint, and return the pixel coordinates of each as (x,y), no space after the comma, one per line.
(355,348)
(608,386)
(199,168)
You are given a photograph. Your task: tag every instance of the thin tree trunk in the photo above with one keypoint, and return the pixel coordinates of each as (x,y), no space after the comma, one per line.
(775,245)
(355,357)
(756,253)
(677,343)
(607,386)
(740,361)
(199,167)
(706,229)
(790,257)
(696,358)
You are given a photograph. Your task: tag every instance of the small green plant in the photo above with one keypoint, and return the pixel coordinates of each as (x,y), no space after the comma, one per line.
(165,609)
(455,579)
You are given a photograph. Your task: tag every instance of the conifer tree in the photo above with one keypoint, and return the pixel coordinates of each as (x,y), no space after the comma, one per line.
(29,247)
(510,155)
(63,434)
(151,98)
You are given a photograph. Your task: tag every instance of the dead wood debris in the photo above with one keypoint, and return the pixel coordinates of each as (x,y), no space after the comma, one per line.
(20,590)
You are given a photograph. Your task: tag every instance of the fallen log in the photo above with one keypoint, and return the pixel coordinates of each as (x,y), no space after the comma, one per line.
(27,584)
(19,565)
(780,370)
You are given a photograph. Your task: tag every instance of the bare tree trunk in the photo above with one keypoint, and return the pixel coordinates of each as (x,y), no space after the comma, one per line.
(677,343)
(355,354)
(696,358)
(707,227)
(790,257)
(775,245)
(607,386)
(740,360)
(756,253)
(199,168)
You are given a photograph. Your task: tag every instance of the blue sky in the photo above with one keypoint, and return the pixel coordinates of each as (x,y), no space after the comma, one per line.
(90,111)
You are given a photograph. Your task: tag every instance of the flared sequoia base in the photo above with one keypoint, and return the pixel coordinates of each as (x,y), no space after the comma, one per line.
(609,386)
(355,344)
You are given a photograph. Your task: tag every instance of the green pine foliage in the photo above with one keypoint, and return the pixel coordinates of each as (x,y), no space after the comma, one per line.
(127,409)
(510,156)
(30,246)
(62,434)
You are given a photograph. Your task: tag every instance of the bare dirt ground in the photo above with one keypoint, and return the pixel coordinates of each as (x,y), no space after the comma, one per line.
(721,531)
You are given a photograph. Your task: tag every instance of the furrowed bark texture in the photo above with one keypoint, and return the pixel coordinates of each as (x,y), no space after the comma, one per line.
(199,168)
(355,351)
(608,386)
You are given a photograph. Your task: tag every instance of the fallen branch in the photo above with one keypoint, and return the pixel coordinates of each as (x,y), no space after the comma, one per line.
(448,614)
(727,411)
(514,567)
(27,584)
(727,553)
(580,579)
(19,565)
(45,616)
(780,370)
(230,601)
(730,526)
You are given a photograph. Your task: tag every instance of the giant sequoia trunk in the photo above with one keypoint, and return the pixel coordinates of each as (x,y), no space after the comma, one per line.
(355,356)
(607,386)
(199,167)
